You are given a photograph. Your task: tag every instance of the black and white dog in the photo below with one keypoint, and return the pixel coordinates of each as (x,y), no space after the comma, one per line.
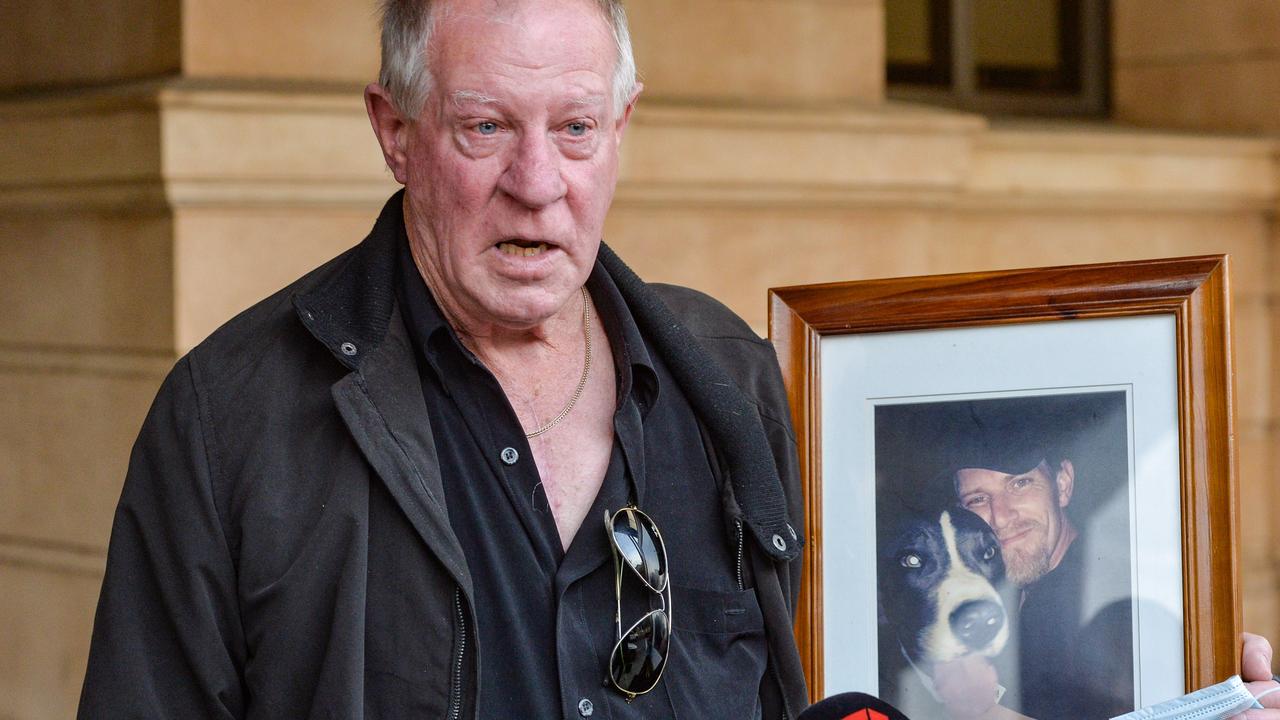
(938,575)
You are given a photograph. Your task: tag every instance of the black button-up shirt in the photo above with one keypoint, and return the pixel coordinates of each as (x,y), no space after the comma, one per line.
(545,614)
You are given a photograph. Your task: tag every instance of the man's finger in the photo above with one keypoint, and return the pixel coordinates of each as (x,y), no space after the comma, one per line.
(1266,691)
(1255,658)
(1268,694)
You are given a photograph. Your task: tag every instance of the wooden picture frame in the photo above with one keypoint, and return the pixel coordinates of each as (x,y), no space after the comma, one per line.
(1192,293)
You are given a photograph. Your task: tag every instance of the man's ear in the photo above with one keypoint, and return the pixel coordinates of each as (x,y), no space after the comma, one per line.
(390,129)
(1066,482)
(620,125)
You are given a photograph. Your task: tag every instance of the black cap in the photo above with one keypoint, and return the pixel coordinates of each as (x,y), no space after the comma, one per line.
(920,446)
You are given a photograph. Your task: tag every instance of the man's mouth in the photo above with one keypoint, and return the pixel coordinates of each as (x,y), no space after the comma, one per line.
(525,248)
(1014,536)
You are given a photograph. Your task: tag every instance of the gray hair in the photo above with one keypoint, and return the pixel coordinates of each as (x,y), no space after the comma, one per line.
(406,33)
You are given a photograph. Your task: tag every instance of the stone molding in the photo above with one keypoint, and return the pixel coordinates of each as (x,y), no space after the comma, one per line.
(58,557)
(170,145)
(1116,167)
(27,359)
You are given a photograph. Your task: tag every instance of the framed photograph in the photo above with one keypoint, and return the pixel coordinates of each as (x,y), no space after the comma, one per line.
(1042,461)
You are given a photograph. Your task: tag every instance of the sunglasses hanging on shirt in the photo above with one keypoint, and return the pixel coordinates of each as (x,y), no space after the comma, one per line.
(640,654)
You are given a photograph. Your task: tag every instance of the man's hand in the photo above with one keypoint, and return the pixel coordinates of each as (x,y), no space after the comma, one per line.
(1255,670)
(967,687)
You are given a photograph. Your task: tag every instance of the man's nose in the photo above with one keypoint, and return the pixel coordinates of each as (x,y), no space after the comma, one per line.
(1003,513)
(533,178)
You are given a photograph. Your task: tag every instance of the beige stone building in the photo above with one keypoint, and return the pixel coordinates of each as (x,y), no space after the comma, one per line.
(164,163)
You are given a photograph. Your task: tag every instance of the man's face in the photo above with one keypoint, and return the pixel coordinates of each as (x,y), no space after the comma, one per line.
(512,164)
(1025,511)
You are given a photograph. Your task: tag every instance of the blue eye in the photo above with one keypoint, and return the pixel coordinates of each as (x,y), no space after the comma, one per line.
(577,129)
(487,128)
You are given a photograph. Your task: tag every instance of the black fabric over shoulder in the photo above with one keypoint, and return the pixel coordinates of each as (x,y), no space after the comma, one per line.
(736,427)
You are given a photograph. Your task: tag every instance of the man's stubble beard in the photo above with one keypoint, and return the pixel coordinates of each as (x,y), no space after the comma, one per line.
(1026,570)
(1025,566)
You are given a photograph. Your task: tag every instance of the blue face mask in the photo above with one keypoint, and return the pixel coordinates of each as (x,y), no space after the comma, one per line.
(1216,702)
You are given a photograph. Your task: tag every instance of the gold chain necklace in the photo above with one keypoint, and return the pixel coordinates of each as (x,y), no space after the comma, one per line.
(586,370)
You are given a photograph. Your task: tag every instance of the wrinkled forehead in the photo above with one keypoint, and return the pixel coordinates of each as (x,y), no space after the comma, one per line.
(561,27)
(509,10)
(530,52)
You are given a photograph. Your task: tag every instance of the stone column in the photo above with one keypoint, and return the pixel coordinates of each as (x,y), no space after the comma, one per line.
(163,163)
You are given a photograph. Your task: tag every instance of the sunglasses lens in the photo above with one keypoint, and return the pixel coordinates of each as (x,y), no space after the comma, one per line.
(639,657)
(640,546)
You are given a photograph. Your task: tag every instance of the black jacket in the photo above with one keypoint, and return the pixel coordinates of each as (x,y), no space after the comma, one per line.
(282,550)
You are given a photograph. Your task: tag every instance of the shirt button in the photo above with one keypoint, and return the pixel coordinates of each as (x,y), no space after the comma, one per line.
(779,543)
(585,708)
(509,456)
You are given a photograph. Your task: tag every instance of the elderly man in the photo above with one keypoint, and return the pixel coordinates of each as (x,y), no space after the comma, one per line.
(380,492)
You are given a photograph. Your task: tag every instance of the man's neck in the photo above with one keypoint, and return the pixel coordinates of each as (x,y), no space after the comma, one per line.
(1065,538)
(493,342)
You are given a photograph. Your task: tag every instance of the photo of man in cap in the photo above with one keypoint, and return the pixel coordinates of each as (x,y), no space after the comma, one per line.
(1050,475)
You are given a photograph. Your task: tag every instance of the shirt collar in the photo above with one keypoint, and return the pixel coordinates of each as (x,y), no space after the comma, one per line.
(422,316)
(630,352)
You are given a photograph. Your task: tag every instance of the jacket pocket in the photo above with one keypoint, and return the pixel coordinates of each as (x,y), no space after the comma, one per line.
(718,653)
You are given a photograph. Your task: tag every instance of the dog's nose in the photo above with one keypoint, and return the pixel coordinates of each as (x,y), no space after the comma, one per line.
(977,622)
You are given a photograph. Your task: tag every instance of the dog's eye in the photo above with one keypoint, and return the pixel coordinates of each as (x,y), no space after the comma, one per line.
(911,561)
(990,553)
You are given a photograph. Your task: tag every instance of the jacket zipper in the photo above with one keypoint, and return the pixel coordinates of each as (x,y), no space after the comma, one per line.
(777,677)
(738,524)
(782,692)
(455,697)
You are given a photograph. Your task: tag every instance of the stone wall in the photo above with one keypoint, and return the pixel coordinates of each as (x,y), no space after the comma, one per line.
(1197,65)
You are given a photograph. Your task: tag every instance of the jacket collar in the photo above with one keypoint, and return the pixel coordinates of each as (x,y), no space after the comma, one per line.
(350,309)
